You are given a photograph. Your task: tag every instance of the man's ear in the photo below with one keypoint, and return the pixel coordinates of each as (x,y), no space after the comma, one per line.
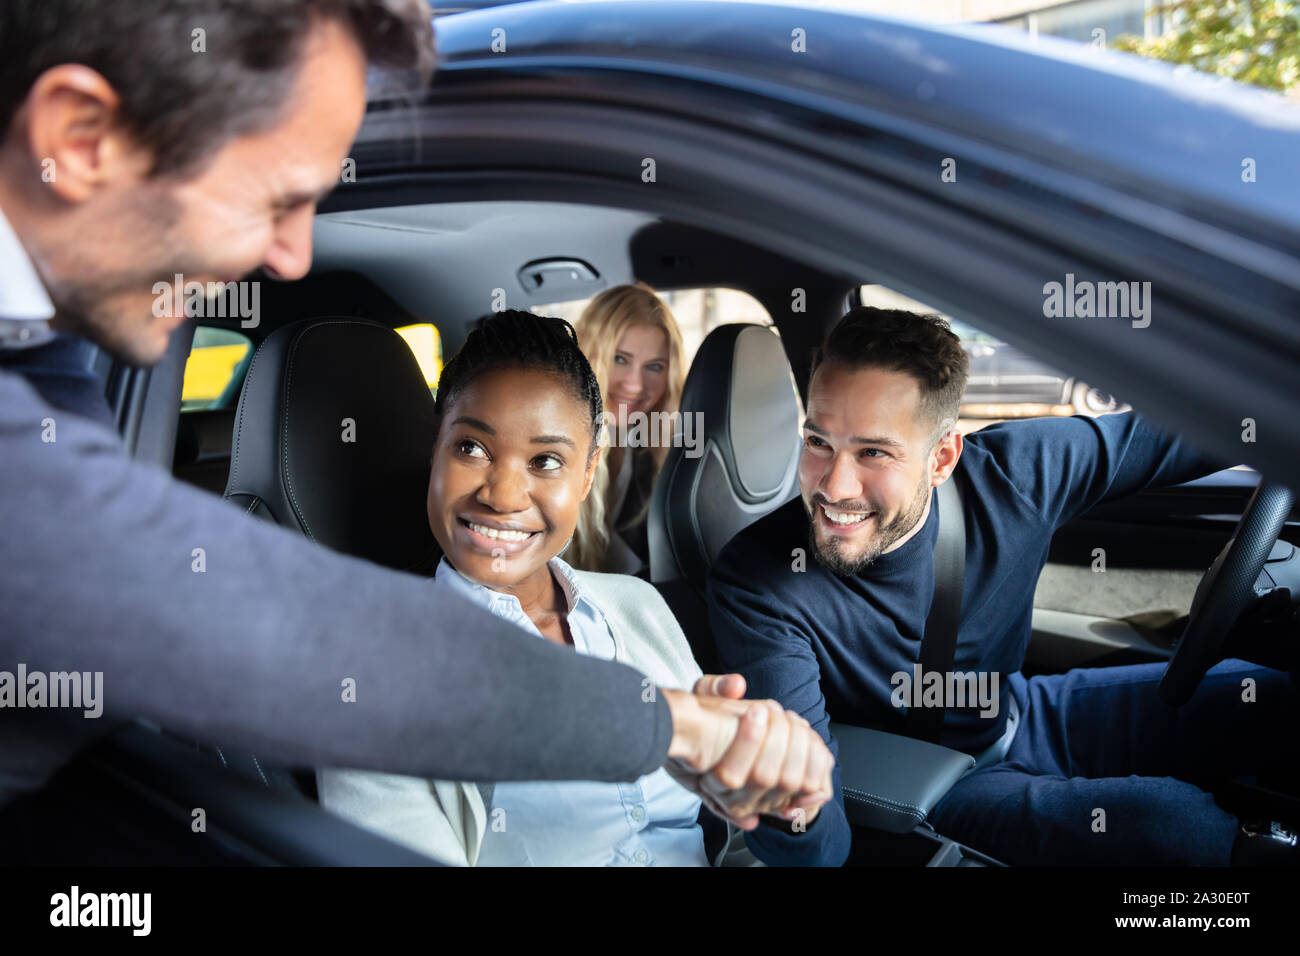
(71,127)
(946,455)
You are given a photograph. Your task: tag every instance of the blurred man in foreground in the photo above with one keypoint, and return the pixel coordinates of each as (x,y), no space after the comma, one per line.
(157,137)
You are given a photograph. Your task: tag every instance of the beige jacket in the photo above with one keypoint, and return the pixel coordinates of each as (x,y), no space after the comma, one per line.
(447,819)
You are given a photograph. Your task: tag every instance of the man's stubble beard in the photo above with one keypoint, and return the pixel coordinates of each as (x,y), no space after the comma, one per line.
(836,563)
(90,298)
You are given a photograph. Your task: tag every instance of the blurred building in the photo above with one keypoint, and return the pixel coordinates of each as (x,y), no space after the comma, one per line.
(1074,20)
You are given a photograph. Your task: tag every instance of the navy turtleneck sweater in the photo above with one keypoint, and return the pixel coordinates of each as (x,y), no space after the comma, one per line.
(827,646)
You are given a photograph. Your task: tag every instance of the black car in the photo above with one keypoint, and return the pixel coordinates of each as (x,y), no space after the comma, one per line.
(769,149)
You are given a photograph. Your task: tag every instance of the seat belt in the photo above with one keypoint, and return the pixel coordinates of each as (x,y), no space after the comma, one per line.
(939,645)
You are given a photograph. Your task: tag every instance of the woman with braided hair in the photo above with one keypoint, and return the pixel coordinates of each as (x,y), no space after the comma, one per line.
(519,410)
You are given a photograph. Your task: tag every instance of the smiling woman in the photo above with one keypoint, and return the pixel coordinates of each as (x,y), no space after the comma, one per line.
(635,346)
(518,411)
(510,469)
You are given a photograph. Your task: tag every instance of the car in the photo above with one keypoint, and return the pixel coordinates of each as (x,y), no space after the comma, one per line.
(796,154)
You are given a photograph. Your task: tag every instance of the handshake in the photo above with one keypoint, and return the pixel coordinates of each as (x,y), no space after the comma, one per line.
(746,758)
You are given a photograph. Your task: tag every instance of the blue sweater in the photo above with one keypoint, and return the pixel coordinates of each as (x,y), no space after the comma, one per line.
(827,646)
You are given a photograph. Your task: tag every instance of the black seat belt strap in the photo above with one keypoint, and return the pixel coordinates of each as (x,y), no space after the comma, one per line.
(939,645)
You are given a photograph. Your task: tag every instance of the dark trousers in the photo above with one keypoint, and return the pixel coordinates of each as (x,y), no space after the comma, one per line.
(1103,771)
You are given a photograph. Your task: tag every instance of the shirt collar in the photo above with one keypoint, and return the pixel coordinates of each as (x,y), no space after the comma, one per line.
(25,306)
(574,593)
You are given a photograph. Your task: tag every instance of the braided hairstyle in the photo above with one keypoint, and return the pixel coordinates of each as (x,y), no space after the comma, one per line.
(522,340)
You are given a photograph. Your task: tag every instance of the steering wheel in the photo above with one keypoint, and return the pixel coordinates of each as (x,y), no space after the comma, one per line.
(1225,591)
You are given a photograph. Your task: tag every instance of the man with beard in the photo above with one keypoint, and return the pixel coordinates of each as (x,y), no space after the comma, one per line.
(837,635)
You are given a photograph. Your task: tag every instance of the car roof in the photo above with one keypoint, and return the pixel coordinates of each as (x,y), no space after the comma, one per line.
(1148,126)
(1073,163)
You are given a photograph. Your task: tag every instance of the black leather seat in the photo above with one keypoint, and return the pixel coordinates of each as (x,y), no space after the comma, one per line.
(332,437)
(745,466)
(202,454)
(311,387)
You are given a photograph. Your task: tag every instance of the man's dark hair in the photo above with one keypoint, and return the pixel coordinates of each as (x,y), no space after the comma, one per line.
(182,104)
(518,339)
(922,345)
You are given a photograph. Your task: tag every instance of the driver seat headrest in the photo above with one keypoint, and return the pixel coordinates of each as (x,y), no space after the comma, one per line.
(333,436)
(741,391)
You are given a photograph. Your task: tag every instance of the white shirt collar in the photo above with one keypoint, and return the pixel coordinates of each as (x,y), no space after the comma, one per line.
(574,592)
(22,295)
(25,306)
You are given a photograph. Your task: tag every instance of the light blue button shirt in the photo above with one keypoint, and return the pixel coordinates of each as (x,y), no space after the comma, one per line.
(650,822)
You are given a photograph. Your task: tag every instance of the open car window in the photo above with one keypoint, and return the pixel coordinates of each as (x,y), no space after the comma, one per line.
(426,345)
(214,369)
(1006,382)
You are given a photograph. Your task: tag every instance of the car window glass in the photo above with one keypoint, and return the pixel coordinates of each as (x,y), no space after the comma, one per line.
(1006,382)
(217,362)
(426,344)
(216,357)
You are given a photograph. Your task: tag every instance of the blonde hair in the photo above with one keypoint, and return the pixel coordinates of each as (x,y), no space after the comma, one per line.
(600,328)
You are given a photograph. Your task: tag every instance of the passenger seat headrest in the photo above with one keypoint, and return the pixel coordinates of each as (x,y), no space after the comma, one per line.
(333,436)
